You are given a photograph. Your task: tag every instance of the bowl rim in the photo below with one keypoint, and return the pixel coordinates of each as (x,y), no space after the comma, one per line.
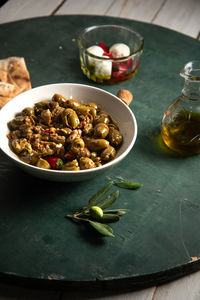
(132,54)
(50,171)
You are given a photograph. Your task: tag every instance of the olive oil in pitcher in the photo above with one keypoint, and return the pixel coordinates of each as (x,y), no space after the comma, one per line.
(180,128)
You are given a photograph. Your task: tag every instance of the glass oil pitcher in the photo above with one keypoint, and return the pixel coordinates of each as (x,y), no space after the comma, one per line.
(180,128)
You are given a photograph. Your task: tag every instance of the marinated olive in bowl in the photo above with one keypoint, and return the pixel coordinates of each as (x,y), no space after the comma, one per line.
(64,134)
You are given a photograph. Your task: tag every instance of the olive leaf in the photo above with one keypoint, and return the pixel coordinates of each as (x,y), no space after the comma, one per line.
(118,211)
(108,201)
(99,194)
(102,228)
(109,218)
(128,184)
(87,215)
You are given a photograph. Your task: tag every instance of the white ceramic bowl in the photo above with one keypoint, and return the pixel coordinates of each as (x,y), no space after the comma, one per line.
(118,110)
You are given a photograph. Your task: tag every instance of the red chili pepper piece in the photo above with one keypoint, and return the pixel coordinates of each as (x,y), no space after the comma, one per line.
(55,162)
(108,54)
(104,47)
(117,75)
(130,63)
(82,123)
(47,131)
(70,155)
(120,69)
(123,68)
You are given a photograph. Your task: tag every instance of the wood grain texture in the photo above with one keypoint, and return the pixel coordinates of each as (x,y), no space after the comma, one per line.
(8,292)
(180,15)
(14,10)
(94,7)
(133,9)
(187,288)
(146,294)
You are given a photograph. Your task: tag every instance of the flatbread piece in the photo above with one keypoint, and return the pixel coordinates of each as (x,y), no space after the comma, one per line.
(14,78)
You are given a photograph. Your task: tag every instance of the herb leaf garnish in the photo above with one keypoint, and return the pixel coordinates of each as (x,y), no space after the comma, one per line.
(128,184)
(108,201)
(96,214)
(100,194)
(102,228)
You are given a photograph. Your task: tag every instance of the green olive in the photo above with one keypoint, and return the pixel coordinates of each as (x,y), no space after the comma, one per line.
(83,110)
(108,153)
(46,116)
(64,131)
(25,157)
(115,137)
(93,155)
(71,166)
(96,212)
(86,163)
(73,135)
(58,139)
(18,145)
(101,130)
(42,105)
(15,123)
(77,144)
(112,125)
(93,111)
(56,115)
(71,103)
(29,157)
(43,163)
(28,111)
(83,152)
(34,157)
(102,118)
(70,118)
(54,105)
(93,104)
(96,144)
(97,159)
(59,98)
(98,164)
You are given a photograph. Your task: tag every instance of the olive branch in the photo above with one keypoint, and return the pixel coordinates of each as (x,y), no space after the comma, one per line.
(96,213)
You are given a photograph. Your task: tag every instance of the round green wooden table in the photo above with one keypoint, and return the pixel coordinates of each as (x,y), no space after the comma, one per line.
(158,239)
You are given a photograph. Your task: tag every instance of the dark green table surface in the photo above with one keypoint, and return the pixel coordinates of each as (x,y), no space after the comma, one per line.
(157,240)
